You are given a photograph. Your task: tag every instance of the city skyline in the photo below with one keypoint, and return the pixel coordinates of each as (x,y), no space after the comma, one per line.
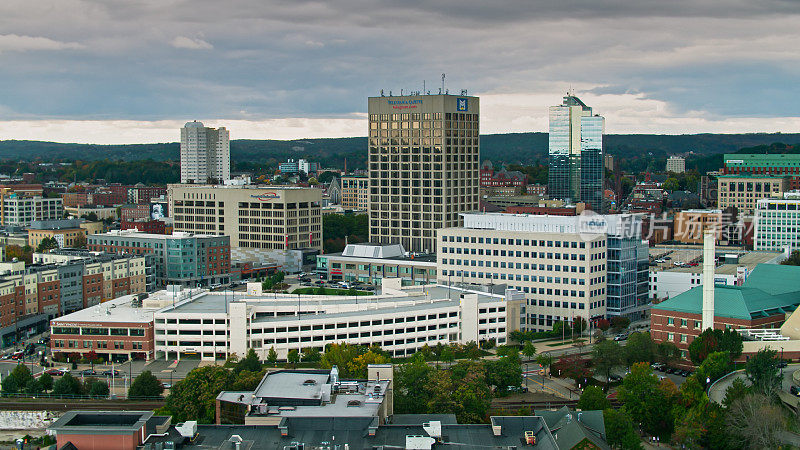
(129,74)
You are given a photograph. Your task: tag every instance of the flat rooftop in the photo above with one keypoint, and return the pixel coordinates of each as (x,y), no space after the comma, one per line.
(749,259)
(292,385)
(118,310)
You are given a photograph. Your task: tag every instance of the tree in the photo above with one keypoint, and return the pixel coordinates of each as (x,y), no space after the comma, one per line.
(447,355)
(574,367)
(620,431)
(340,355)
(607,355)
(671,184)
(716,365)
(649,401)
(793,259)
(80,241)
(67,385)
(357,367)
(17,380)
(46,381)
(272,356)
(293,357)
(46,244)
(603,324)
(738,389)
(579,325)
(248,381)
(504,372)
(619,323)
(693,393)
(667,352)
(640,348)
(755,422)
(529,350)
(544,359)
(145,385)
(250,363)
(411,384)
(716,340)
(311,354)
(593,398)
(194,397)
(763,372)
(96,388)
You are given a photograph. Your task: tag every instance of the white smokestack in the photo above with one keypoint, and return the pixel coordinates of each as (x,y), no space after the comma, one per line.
(709,257)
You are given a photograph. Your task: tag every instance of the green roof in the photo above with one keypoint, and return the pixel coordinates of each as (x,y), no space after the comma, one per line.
(759,159)
(767,291)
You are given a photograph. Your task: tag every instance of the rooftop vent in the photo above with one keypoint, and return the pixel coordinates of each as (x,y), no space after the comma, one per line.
(309,382)
(354,403)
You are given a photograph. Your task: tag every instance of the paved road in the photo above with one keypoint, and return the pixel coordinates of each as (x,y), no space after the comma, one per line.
(717,391)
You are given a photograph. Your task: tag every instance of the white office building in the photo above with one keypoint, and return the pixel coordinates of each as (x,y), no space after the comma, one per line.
(205,154)
(23,211)
(776,224)
(676,164)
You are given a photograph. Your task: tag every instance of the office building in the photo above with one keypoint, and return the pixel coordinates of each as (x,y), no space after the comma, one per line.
(257,217)
(205,154)
(21,211)
(776,224)
(369,263)
(774,164)
(66,232)
(558,263)
(576,153)
(423,167)
(743,191)
(676,164)
(181,258)
(292,166)
(354,192)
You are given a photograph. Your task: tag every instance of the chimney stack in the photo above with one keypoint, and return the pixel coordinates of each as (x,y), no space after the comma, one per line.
(709,261)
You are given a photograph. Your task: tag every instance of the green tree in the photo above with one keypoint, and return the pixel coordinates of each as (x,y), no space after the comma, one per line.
(311,354)
(293,357)
(793,259)
(357,367)
(504,372)
(648,401)
(447,355)
(667,352)
(67,385)
(96,388)
(715,365)
(763,372)
(46,380)
(248,381)
(341,355)
(620,430)
(46,244)
(194,397)
(716,340)
(529,350)
(80,241)
(738,389)
(272,356)
(545,360)
(671,184)
(411,386)
(607,355)
(17,380)
(639,348)
(619,323)
(250,362)
(693,393)
(33,387)
(145,385)
(593,398)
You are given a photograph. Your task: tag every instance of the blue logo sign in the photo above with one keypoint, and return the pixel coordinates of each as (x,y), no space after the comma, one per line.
(461,104)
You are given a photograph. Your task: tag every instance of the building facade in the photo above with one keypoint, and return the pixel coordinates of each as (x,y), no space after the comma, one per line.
(264,217)
(776,224)
(423,166)
(785,164)
(22,211)
(561,269)
(354,192)
(205,154)
(576,153)
(676,164)
(501,182)
(180,258)
(369,263)
(744,191)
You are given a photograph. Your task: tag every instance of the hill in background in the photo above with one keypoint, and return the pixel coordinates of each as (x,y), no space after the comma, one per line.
(636,152)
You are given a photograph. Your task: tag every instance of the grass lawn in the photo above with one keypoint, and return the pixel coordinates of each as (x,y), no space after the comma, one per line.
(559,343)
(329,291)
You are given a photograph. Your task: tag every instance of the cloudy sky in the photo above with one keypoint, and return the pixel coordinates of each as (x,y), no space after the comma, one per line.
(134,71)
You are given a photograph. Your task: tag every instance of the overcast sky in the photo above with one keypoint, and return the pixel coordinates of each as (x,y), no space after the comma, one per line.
(134,71)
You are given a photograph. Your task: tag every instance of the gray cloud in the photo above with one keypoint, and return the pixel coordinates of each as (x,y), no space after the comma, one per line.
(170,59)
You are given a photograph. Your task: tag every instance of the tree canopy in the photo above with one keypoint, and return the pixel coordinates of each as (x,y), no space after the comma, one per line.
(716,340)
(145,385)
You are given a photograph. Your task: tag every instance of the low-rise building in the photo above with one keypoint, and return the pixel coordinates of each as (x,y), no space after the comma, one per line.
(18,210)
(676,164)
(369,263)
(180,258)
(101,212)
(66,232)
(501,182)
(354,192)
(744,191)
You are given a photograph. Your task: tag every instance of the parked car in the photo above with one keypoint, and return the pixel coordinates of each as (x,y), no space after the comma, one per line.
(794,390)
(517,389)
(88,372)
(657,366)
(782,364)
(621,337)
(55,372)
(319,283)
(667,258)
(614,378)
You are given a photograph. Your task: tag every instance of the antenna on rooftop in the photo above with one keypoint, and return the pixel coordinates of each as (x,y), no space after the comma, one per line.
(442,84)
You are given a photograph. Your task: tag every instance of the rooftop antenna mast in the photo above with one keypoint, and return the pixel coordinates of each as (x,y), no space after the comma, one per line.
(442,84)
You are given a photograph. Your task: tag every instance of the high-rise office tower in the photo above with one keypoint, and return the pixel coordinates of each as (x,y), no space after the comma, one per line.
(423,166)
(576,153)
(205,154)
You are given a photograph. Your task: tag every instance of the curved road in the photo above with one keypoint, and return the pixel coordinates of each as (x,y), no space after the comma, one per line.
(717,391)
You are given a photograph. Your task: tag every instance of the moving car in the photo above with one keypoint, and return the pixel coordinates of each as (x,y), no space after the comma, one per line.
(110,372)
(55,372)
(88,372)
(794,390)
(621,337)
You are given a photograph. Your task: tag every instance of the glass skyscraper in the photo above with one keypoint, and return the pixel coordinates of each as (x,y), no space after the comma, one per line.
(576,153)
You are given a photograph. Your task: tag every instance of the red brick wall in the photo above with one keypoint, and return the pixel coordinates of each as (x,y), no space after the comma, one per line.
(49,294)
(92,287)
(100,441)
